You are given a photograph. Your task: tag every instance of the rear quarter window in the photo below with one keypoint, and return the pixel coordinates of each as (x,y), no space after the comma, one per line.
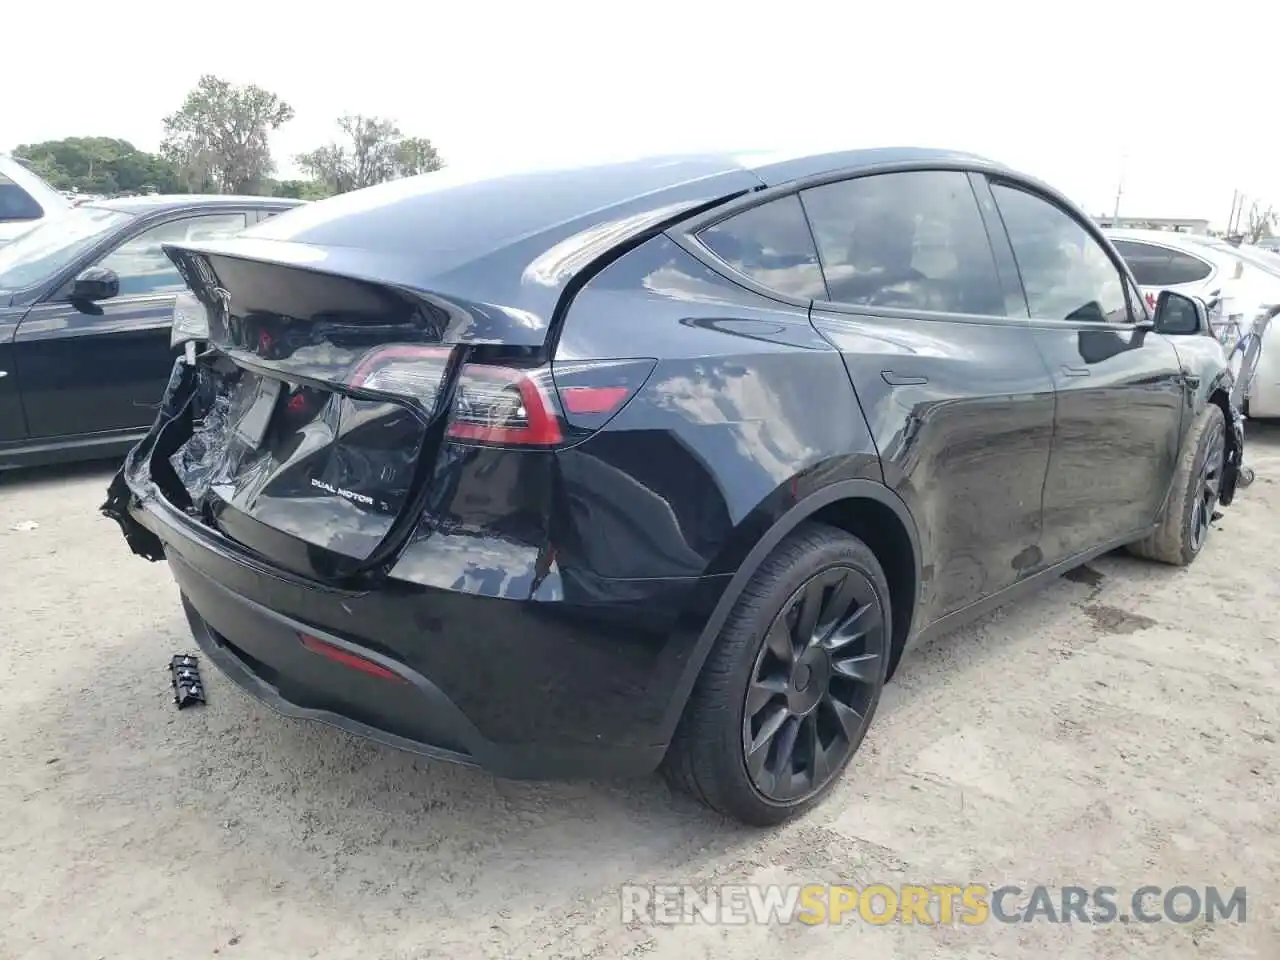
(16,203)
(772,245)
(1155,266)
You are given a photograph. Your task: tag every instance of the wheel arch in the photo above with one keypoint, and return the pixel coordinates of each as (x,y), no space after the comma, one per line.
(868,510)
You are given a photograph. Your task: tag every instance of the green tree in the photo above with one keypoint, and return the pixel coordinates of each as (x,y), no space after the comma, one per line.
(416,155)
(298,189)
(99,165)
(218,139)
(373,151)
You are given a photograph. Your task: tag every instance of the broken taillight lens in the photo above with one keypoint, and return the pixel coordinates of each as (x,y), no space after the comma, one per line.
(417,373)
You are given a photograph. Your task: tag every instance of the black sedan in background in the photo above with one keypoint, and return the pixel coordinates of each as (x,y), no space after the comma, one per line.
(85,307)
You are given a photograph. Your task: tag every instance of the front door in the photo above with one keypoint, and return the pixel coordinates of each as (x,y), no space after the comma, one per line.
(1120,393)
(100,368)
(950,381)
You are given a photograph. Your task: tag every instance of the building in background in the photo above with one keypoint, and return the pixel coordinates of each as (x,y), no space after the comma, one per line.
(1154,223)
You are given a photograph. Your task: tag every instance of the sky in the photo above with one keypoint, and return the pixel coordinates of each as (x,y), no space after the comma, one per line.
(1089,96)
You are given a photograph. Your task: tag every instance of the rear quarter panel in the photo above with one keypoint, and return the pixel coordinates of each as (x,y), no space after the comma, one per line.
(748,410)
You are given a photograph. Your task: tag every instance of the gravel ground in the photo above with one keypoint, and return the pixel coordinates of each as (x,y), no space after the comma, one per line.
(1119,728)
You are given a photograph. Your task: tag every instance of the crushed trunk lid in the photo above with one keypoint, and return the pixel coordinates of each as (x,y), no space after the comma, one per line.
(312,422)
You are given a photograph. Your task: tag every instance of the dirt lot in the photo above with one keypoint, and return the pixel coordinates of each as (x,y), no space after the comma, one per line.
(1114,730)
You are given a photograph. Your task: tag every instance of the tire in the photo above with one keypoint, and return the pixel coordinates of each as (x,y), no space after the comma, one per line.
(828,689)
(1184,528)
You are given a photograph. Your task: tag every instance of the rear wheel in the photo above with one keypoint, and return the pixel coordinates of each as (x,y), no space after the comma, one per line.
(1184,530)
(791,686)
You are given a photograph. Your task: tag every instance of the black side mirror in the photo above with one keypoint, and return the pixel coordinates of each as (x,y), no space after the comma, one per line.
(1179,315)
(94,284)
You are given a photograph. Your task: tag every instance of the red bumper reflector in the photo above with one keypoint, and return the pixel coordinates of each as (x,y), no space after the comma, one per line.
(354,661)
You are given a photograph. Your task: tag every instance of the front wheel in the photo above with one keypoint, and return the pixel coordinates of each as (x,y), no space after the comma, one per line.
(1197,482)
(792,683)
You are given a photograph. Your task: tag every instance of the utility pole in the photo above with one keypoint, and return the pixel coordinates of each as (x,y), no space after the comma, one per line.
(1120,187)
(1237,211)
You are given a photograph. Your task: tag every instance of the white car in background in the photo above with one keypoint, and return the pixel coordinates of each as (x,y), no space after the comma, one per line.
(1246,278)
(25,200)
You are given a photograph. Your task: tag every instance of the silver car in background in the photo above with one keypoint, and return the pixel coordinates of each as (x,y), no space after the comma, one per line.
(1246,278)
(25,200)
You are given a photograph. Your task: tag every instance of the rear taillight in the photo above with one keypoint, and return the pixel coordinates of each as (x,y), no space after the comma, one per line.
(593,391)
(494,404)
(542,407)
(505,407)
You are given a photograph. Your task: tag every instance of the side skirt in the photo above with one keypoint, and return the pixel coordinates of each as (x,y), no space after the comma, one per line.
(966,615)
(91,446)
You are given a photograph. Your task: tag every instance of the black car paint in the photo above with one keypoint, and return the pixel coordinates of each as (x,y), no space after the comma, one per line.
(83,380)
(550,611)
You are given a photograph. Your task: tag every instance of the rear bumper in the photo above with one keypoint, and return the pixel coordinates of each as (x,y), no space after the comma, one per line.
(309,700)
(523,688)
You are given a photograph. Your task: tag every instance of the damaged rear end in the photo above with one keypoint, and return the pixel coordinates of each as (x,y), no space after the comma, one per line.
(311,427)
(355,480)
(353,345)
(307,427)
(303,452)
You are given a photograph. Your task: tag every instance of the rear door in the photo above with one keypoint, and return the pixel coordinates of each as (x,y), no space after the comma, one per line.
(952,386)
(103,368)
(1120,389)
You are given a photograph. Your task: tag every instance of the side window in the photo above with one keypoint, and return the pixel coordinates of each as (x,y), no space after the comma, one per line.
(1147,262)
(1066,274)
(1184,268)
(912,240)
(140,261)
(16,203)
(1155,266)
(772,245)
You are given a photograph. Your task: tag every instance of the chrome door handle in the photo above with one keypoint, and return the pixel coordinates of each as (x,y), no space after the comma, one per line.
(1075,371)
(3,374)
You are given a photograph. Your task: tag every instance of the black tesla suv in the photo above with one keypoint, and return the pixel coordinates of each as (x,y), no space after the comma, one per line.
(581,472)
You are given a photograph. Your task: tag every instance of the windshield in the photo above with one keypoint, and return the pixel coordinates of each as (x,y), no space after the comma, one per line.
(41,252)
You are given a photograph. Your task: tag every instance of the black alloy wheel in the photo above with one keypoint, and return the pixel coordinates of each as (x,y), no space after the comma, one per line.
(1208,485)
(814,685)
